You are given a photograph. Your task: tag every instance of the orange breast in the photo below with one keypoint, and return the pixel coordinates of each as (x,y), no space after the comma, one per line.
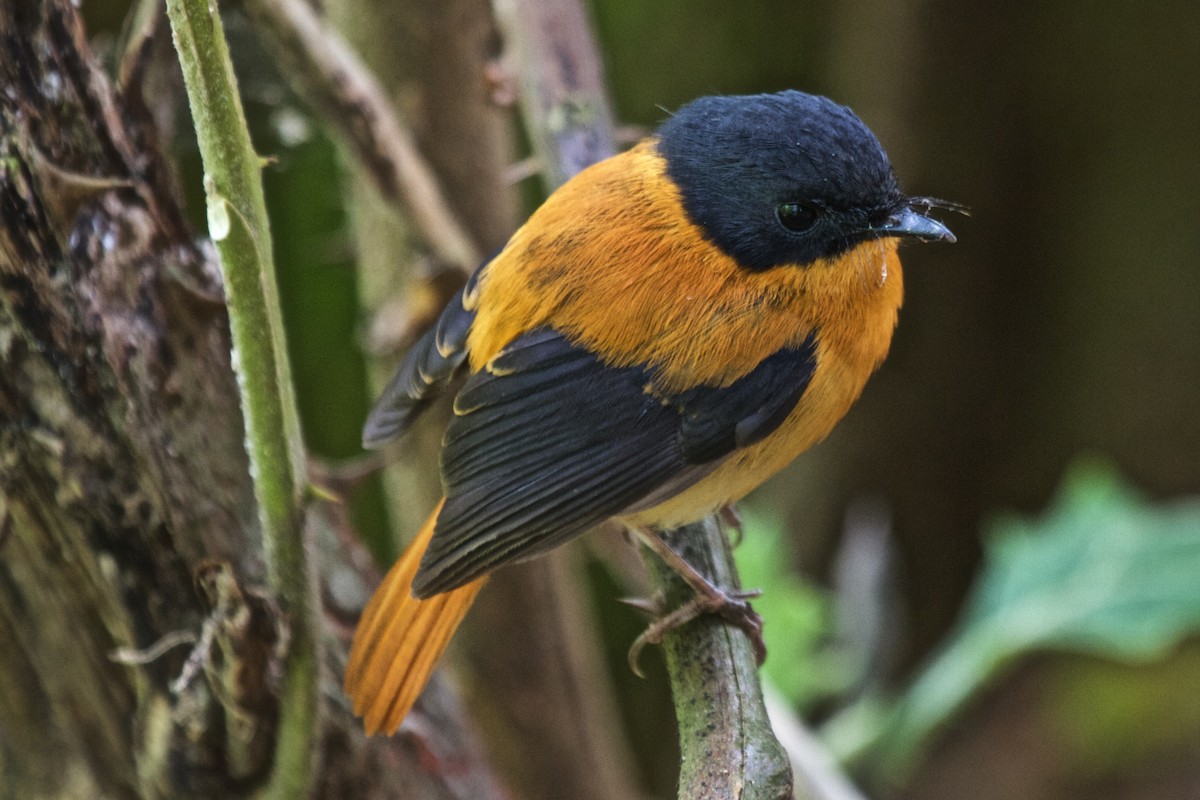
(612,261)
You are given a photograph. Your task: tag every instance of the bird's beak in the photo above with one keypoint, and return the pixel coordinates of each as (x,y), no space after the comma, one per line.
(907,223)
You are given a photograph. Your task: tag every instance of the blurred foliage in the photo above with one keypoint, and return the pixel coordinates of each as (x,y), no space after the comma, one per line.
(1147,709)
(659,59)
(319,293)
(1102,573)
(796,615)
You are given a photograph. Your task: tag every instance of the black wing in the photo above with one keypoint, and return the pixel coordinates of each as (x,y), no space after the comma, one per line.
(548,441)
(426,369)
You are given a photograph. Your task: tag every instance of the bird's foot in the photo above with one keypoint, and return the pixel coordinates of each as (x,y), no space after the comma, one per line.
(730,605)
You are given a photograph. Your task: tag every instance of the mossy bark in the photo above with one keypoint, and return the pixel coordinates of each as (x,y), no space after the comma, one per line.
(128,521)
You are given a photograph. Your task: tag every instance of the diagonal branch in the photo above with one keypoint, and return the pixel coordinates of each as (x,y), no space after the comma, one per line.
(564,99)
(349,98)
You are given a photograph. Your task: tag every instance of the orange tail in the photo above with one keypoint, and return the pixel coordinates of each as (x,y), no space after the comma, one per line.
(400,639)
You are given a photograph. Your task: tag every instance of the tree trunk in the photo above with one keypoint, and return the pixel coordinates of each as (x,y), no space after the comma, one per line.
(139,658)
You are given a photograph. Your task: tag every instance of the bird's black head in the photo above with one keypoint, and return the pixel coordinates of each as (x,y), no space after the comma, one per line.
(785,178)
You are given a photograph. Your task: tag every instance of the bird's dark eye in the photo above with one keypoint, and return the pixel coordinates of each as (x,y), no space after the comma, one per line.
(796,217)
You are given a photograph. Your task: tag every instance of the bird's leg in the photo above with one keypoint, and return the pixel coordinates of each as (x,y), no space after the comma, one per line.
(730,605)
(731,523)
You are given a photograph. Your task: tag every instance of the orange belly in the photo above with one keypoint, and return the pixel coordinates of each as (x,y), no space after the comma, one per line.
(836,384)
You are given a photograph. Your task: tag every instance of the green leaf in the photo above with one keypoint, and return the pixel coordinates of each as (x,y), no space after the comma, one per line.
(1102,573)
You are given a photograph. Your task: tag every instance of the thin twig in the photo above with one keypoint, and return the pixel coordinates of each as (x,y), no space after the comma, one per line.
(137,35)
(133,656)
(239,228)
(197,658)
(350,101)
(522,170)
(564,102)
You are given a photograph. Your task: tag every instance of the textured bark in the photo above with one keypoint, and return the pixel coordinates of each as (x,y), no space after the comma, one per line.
(127,517)
(729,749)
(111,318)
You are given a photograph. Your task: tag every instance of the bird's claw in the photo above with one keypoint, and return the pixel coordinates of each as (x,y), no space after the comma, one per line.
(730,605)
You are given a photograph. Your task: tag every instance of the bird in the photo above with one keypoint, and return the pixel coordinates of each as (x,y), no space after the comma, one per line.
(670,328)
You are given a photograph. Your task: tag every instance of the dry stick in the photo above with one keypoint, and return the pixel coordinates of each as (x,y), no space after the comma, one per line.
(728,748)
(348,97)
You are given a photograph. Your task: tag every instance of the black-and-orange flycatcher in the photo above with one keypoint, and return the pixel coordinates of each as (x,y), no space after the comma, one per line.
(673,326)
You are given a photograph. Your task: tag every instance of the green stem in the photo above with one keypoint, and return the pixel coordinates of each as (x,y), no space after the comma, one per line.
(239,228)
